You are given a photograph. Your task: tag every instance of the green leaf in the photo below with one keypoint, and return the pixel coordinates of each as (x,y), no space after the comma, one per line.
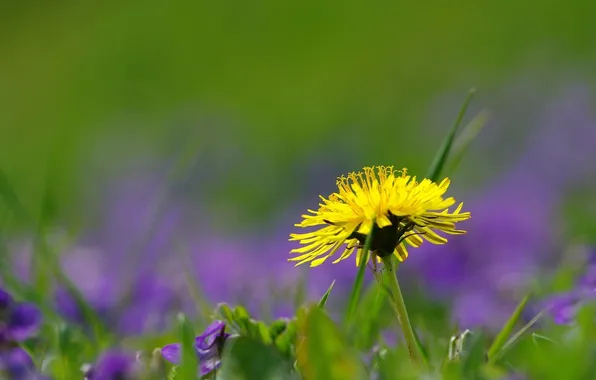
(369,319)
(357,286)
(263,333)
(278,327)
(286,340)
(473,355)
(505,332)
(241,314)
(323,300)
(226,313)
(323,353)
(438,163)
(189,365)
(245,358)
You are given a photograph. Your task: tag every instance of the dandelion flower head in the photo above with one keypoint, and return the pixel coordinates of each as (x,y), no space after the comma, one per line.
(399,210)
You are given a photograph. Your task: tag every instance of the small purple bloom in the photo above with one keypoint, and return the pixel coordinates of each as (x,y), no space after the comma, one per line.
(208,346)
(16,364)
(563,308)
(113,365)
(18,320)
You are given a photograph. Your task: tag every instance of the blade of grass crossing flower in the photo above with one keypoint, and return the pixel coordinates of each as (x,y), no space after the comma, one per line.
(515,338)
(400,308)
(466,137)
(194,289)
(505,332)
(181,169)
(189,365)
(357,286)
(323,300)
(442,154)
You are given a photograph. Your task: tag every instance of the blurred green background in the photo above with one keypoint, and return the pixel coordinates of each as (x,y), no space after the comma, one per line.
(275,82)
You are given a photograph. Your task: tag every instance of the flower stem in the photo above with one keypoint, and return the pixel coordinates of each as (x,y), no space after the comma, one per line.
(397,301)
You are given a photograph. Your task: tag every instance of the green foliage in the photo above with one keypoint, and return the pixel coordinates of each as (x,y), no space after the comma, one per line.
(357,286)
(438,163)
(323,300)
(501,339)
(245,358)
(281,333)
(188,367)
(323,352)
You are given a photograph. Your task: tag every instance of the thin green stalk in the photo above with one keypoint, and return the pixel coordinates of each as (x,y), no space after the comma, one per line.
(357,286)
(442,154)
(397,300)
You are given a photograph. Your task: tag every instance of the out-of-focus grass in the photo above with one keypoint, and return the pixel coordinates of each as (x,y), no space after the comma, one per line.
(291,77)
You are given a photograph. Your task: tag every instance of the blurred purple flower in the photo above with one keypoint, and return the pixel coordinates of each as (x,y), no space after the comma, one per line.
(564,307)
(117,264)
(114,365)
(486,271)
(513,234)
(145,307)
(16,364)
(18,321)
(208,347)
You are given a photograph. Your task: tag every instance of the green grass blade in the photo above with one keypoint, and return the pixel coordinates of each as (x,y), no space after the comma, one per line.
(442,154)
(323,300)
(190,363)
(465,139)
(50,260)
(194,288)
(324,352)
(505,332)
(422,350)
(515,338)
(12,201)
(357,286)
(537,337)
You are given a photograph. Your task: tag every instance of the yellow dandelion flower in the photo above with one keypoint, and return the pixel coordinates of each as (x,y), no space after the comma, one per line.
(398,209)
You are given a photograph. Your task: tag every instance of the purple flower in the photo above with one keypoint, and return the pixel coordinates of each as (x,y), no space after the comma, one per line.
(117,265)
(208,346)
(18,320)
(563,307)
(114,365)
(16,364)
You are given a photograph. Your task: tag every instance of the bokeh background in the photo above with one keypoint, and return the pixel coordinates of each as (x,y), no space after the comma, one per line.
(168,144)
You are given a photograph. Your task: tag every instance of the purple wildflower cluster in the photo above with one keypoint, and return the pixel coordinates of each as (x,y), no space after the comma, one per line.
(19,321)
(114,364)
(515,232)
(118,364)
(564,307)
(208,346)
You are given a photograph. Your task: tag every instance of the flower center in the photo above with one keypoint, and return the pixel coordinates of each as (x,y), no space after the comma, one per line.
(385,239)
